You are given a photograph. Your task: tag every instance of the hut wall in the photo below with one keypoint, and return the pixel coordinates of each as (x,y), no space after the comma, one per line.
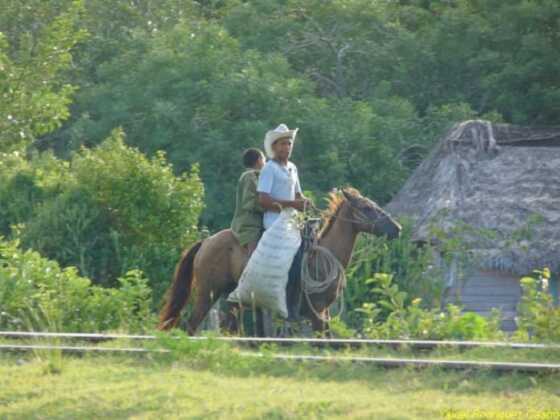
(481,290)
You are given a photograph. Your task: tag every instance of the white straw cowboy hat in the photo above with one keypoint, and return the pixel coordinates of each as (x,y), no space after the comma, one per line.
(280,132)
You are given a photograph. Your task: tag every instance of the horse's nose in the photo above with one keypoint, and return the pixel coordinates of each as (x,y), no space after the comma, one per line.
(393,228)
(395,232)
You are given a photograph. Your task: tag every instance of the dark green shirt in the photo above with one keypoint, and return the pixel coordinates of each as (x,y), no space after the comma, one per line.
(247,223)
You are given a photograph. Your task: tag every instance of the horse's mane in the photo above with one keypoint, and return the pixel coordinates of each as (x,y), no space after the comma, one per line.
(336,200)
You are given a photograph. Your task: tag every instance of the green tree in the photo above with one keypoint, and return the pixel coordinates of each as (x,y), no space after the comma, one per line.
(36,41)
(197,96)
(493,55)
(107,211)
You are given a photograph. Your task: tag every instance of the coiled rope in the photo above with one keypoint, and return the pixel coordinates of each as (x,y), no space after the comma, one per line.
(327,271)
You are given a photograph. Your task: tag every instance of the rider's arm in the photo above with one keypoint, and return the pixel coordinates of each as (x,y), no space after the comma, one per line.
(299,193)
(270,204)
(249,196)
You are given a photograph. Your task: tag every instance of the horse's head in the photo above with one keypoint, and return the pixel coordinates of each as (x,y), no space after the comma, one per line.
(367,216)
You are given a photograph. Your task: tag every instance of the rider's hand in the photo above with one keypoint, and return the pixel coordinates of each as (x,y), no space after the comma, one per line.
(301,204)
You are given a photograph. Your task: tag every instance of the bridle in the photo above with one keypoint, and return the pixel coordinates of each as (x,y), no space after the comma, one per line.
(337,270)
(360,217)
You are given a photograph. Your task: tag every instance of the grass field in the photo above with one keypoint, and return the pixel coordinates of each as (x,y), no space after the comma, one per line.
(226,387)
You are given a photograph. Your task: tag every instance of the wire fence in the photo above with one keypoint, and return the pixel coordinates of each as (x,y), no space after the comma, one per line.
(320,342)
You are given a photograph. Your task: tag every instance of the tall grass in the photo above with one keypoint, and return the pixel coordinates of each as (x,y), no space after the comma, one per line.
(411,266)
(45,317)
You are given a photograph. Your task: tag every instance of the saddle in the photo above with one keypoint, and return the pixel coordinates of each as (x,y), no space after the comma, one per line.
(294,290)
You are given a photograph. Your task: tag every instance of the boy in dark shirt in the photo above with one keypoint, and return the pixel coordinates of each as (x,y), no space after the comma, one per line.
(247,223)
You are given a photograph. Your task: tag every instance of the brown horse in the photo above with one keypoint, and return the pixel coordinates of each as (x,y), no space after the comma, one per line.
(214,265)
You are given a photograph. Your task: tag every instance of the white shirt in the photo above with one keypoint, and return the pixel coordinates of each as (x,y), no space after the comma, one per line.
(281,182)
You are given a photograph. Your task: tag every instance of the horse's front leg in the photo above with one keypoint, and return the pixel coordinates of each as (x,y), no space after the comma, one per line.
(320,325)
(232,318)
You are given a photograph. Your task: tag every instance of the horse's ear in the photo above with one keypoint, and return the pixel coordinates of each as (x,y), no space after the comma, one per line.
(347,194)
(351,194)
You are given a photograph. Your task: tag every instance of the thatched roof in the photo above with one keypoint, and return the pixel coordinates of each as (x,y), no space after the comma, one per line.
(498,179)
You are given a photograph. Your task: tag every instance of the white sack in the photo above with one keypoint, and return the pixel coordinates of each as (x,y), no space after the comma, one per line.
(264,280)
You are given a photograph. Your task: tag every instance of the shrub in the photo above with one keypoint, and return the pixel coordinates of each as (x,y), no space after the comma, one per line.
(411,268)
(106,211)
(25,184)
(35,293)
(74,230)
(538,317)
(145,199)
(413,321)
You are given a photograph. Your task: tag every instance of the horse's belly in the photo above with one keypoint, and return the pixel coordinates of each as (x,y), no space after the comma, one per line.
(222,252)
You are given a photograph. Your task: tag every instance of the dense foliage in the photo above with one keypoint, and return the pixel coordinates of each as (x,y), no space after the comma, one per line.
(36,294)
(36,41)
(389,316)
(539,316)
(411,266)
(106,211)
(370,84)
(116,117)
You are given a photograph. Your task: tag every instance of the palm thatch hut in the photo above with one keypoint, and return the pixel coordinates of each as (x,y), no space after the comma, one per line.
(488,198)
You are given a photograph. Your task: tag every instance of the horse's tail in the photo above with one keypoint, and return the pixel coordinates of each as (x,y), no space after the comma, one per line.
(179,292)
